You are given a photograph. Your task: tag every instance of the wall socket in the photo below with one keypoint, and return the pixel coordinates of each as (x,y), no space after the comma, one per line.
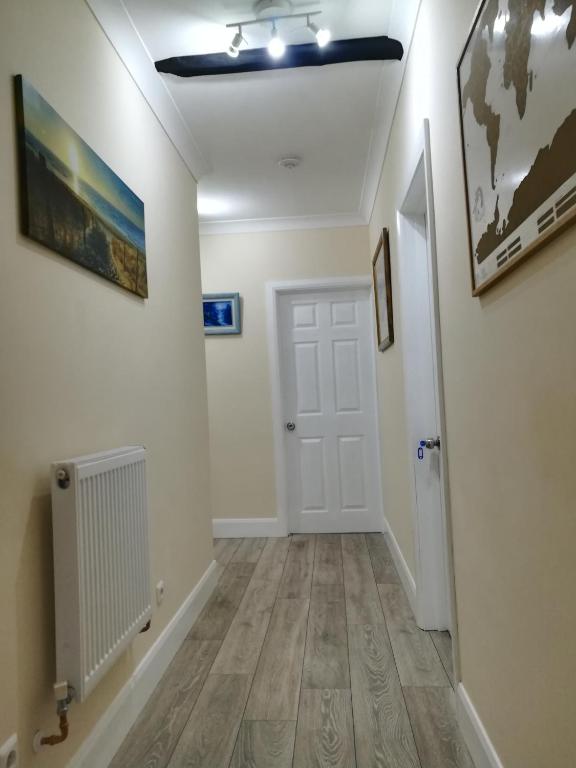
(160,589)
(9,753)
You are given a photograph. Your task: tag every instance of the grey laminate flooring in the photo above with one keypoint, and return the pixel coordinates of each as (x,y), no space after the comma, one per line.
(306,655)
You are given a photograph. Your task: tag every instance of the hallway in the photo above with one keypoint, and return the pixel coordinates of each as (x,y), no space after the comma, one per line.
(306,655)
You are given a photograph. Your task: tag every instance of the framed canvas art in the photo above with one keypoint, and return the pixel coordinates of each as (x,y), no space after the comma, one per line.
(72,202)
(517,87)
(222,314)
(382,279)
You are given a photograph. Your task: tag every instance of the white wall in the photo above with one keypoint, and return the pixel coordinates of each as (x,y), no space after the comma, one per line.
(509,369)
(239,395)
(87,366)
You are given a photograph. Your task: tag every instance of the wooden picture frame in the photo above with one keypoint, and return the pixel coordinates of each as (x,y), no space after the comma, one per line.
(382,282)
(520,184)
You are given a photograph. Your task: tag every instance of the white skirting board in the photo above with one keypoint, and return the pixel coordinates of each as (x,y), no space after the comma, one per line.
(402,567)
(477,740)
(246,527)
(109,732)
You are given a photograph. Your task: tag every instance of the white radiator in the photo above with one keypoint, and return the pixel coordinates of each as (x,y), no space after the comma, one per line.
(101,561)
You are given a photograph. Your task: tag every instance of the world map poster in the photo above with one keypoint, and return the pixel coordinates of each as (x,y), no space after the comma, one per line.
(517,81)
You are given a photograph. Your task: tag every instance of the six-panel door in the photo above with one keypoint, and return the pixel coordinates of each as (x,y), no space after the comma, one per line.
(327,365)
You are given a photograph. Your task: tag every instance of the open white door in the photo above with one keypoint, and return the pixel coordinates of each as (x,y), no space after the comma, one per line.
(329,416)
(424,395)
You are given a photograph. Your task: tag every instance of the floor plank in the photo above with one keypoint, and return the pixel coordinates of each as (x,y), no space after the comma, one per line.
(331,593)
(297,577)
(438,738)
(241,648)
(328,560)
(264,744)
(325,734)
(362,601)
(216,617)
(382,563)
(249,551)
(154,735)
(443,644)
(271,563)
(326,655)
(416,657)
(224,549)
(208,739)
(276,686)
(383,735)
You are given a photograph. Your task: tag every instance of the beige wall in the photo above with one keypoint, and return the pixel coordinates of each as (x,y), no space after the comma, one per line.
(239,398)
(510,373)
(87,366)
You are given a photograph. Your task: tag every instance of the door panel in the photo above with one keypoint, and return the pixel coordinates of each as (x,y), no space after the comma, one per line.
(327,367)
(347,375)
(352,476)
(307,377)
(312,473)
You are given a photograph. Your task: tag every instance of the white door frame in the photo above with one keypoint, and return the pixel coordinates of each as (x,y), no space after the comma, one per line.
(273,292)
(422,160)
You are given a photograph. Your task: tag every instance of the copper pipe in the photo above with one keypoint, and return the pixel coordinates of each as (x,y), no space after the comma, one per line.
(57,738)
(147,626)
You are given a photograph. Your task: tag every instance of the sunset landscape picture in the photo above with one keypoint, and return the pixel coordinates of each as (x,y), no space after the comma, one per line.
(72,202)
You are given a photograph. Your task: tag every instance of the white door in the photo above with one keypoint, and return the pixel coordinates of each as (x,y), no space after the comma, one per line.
(422,373)
(329,408)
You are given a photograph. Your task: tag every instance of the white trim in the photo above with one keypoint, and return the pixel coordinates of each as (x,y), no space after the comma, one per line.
(109,732)
(239,528)
(273,291)
(402,567)
(475,735)
(435,603)
(239,226)
(119,28)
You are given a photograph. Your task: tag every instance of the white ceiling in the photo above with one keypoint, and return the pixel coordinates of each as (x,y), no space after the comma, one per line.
(336,118)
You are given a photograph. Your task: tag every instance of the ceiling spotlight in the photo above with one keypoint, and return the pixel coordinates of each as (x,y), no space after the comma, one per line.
(322,35)
(276,46)
(234,47)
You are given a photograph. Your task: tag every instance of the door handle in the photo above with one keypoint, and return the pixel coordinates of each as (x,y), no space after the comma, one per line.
(430,442)
(290,426)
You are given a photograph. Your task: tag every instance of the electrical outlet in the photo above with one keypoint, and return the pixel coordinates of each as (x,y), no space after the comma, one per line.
(160,589)
(9,753)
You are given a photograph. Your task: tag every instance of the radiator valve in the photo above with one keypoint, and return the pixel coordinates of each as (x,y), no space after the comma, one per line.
(64,694)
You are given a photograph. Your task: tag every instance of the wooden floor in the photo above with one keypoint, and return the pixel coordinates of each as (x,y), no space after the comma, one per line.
(307,655)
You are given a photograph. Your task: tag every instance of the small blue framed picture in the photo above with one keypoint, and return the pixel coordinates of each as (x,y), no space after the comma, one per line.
(222,314)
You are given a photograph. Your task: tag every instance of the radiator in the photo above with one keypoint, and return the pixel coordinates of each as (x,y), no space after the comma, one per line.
(101,562)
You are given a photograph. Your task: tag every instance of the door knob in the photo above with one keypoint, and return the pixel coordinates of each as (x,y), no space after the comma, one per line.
(290,426)
(430,442)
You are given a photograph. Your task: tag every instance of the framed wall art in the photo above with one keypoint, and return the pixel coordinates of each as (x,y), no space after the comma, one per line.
(382,279)
(517,87)
(222,314)
(72,202)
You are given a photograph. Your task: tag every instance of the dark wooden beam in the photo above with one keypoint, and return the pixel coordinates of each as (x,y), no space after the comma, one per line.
(307,55)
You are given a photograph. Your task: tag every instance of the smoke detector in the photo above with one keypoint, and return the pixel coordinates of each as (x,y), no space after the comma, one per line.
(289,162)
(269,9)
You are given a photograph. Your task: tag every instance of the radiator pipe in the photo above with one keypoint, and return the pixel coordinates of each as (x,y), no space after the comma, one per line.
(57,738)
(64,694)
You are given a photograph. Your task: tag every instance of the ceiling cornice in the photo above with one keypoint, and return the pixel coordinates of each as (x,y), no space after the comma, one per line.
(239,226)
(117,24)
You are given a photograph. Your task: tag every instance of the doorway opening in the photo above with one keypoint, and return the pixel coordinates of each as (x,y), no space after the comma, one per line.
(422,359)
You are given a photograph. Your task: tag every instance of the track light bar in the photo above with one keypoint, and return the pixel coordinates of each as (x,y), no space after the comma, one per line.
(274,19)
(276,46)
